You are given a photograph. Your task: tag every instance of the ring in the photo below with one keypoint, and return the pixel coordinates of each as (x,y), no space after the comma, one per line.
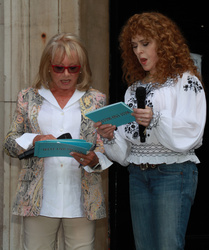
(81,159)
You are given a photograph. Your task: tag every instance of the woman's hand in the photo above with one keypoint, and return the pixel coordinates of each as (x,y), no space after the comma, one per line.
(143,116)
(43,137)
(90,159)
(106,130)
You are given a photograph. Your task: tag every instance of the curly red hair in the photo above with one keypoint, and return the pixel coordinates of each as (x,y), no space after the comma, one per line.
(172,50)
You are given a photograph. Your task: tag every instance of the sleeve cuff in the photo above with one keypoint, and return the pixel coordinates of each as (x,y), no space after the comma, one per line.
(107,141)
(103,161)
(26,140)
(155,120)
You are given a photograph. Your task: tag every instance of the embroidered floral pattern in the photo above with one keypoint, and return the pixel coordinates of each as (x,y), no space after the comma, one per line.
(193,84)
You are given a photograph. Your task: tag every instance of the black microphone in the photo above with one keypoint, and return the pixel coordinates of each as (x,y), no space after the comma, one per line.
(140,97)
(30,153)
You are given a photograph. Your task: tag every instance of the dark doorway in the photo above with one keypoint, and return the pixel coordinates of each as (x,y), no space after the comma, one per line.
(194,23)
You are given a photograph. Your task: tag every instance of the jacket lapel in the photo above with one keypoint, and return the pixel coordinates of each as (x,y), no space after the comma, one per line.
(87,131)
(35,102)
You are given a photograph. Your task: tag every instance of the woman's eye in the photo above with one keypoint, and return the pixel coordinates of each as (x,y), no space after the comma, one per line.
(58,67)
(145,44)
(134,46)
(72,67)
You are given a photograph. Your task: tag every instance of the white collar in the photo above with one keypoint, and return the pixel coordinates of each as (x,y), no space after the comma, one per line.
(47,94)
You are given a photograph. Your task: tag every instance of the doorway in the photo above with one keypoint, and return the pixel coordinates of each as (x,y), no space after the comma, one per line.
(194,24)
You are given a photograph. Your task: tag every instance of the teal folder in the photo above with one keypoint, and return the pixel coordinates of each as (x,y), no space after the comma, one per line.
(116,114)
(61,147)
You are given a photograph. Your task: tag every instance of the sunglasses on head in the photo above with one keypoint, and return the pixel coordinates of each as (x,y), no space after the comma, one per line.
(61,69)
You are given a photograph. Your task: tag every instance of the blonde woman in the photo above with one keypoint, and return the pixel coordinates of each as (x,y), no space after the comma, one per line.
(57,190)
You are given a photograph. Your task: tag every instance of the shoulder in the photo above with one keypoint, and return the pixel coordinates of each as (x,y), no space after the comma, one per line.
(29,95)
(93,98)
(95,94)
(190,82)
(28,91)
(188,75)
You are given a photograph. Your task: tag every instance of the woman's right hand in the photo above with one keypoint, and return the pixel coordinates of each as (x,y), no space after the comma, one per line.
(105,130)
(43,137)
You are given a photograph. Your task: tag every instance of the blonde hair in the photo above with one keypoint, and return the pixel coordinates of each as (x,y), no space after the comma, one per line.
(60,45)
(172,50)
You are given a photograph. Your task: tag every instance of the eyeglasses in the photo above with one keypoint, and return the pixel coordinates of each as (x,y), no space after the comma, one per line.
(71,69)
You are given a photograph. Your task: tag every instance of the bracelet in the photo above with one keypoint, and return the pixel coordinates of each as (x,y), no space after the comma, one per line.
(96,166)
(155,120)
(107,141)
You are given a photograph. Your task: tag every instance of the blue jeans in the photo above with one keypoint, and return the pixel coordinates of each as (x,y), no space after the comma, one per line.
(161,201)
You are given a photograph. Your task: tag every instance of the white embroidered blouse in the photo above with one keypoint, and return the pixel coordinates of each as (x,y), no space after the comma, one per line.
(175,131)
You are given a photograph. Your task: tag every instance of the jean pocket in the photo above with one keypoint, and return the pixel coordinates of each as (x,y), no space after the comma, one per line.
(172,169)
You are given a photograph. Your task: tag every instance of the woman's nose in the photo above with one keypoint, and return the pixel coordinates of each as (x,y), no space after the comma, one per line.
(139,50)
(66,72)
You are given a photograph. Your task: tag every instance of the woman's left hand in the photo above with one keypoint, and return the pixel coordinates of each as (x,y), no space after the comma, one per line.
(90,159)
(143,116)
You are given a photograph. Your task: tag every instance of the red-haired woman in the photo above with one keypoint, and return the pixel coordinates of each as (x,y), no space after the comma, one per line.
(163,172)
